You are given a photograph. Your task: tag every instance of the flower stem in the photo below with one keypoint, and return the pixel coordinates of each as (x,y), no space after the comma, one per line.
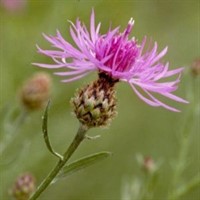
(74,145)
(191,185)
(13,133)
(186,131)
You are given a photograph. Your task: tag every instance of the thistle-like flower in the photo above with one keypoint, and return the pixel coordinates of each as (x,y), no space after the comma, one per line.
(116,56)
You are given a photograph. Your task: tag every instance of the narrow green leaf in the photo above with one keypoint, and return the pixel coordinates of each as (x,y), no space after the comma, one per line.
(45,132)
(82,163)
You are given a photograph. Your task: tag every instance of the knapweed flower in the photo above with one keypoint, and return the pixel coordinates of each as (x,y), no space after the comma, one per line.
(117,57)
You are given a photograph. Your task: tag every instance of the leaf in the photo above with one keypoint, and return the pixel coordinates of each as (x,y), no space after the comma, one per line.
(45,132)
(81,164)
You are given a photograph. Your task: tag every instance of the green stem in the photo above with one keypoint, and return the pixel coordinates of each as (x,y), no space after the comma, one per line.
(74,145)
(13,133)
(185,142)
(149,186)
(194,183)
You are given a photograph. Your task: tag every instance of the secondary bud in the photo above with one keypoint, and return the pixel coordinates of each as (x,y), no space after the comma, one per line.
(95,104)
(13,5)
(23,187)
(196,67)
(147,163)
(36,91)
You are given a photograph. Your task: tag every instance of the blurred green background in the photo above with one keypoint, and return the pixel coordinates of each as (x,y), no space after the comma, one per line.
(138,128)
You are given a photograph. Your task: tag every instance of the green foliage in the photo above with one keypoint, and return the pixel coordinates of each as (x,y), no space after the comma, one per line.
(138,127)
(45,133)
(81,164)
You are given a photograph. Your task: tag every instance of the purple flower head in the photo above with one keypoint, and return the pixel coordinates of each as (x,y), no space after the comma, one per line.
(117,56)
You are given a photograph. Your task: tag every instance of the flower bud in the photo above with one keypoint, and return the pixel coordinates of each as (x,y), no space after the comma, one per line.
(196,67)
(36,91)
(23,187)
(95,104)
(13,5)
(147,163)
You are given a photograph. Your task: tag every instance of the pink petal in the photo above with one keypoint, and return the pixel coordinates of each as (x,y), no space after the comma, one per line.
(70,73)
(174,97)
(50,66)
(74,78)
(162,104)
(152,103)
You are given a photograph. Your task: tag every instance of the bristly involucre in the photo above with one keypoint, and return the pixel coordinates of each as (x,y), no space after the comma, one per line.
(117,56)
(95,104)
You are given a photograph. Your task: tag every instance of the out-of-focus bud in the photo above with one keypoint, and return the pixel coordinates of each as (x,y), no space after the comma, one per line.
(196,67)
(13,5)
(23,187)
(147,164)
(36,91)
(95,104)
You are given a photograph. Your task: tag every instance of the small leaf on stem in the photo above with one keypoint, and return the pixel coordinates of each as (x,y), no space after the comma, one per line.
(81,164)
(45,132)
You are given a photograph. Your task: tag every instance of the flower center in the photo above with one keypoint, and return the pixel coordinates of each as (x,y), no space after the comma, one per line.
(121,52)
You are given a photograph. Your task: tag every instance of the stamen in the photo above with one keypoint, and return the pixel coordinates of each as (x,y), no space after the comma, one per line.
(129,27)
(64,60)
